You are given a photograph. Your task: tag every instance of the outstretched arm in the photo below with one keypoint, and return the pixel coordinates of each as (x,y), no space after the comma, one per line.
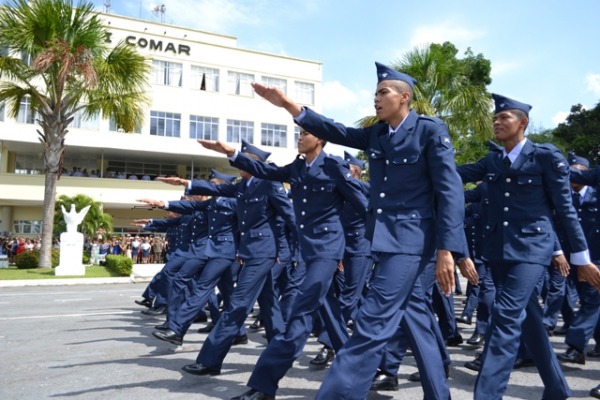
(276,97)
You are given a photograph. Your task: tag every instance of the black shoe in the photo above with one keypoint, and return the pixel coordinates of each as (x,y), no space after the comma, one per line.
(323,358)
(145,303)
(253,394)
(562,331)
(595,352)
(454,341)
(155,311)
(257,325)
(474,365)
(572,355)
(209,327)
(383,381)
(458,292)
(199,369)
(595,392)
(201,318)
(476,339)
(523,363)
(463,320)
(416,376)
(162,327)
(168,336)
(242,339)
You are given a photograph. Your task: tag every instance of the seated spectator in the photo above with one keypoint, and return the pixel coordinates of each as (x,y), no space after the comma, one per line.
(133,177)
(146,177)
(93,174)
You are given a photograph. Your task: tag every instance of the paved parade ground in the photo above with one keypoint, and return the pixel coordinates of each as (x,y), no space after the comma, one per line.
(92,342)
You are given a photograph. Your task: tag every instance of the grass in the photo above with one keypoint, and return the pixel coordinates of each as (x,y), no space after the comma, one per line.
(13,273)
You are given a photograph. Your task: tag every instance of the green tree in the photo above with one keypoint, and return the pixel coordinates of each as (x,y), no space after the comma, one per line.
(60,61)
(94,220)
(454,90)
(581,132)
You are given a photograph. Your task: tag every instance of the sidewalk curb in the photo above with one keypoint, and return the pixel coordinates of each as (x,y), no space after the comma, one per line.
(141,274)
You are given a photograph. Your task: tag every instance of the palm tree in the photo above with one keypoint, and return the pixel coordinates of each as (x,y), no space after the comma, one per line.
(453,90)
(71,70)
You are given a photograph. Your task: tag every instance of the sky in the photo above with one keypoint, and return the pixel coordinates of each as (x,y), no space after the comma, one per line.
(544,53)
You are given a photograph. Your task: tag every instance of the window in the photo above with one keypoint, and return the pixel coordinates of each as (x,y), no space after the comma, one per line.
(166,73)
(83,121)
(281,84)
(239,84)
(31,164)
(296,136)
(129,167)
(1,111)
(204,127)
(238,130)
(204,78)
(165,124)
(273,135)
(21,227)
(112,126)
(26,114)
(305,93)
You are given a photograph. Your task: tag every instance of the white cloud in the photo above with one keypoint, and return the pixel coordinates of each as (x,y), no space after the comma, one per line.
(560,117)
(337,96)
(449,31)
(504,67)
(592,82)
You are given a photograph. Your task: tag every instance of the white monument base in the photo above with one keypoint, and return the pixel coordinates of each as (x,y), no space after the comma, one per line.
(71,254)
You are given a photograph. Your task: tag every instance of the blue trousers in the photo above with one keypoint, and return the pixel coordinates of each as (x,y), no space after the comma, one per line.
(481,297)
(255,274)
(395,291)
(517,314)
(284,349)
(586,318)
(184,307)
(287,277)
(396,348)
(162,286)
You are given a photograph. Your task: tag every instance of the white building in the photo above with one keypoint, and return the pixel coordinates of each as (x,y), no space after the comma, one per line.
(200,88)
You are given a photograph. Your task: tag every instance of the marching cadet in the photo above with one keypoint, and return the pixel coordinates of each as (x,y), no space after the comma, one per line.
(587,204)
(197,278)
(319,186)
(259,202)
(415,207)
(526,181)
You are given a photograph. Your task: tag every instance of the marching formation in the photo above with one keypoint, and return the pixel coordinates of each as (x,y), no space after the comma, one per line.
(369,267)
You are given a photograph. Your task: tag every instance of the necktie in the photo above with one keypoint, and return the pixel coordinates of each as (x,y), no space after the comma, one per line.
(576,199)
(507,162)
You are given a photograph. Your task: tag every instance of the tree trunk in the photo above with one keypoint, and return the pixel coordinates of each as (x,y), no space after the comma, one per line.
(48,220)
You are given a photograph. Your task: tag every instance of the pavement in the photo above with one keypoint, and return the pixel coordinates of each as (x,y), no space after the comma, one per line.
(85,341)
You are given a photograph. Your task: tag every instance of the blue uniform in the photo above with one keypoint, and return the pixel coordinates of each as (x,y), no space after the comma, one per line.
(259,202)
(318,196)
(193,283)
(415,206)
(519,246)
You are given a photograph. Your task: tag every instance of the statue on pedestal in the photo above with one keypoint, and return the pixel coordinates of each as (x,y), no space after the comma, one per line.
(71,244)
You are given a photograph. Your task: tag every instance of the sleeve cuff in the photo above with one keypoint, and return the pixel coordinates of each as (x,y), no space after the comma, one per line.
(581,258)
(300,116)
(234,156)
(557,253)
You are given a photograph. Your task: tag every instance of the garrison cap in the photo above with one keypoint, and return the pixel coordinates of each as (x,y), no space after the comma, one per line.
(250,148)
(353,160)
(573,159)
(504,103)
(386,73)
(214,174)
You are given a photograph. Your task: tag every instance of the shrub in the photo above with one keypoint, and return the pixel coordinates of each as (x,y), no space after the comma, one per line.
(121,265)
(31,259)
(86,258)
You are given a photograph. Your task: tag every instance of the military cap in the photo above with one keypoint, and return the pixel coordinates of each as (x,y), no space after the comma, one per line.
(573,159)
(250,148)
(214,174)
(353,160)
(504,103)
(386,73)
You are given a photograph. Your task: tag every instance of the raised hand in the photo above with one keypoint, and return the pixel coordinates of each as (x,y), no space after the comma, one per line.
(173,180)
(217,146)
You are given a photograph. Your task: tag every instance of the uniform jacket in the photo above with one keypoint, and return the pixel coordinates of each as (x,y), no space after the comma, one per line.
(318,197)
(476,212)
(177,230)
(220,240)
(355,227)
(519,226)
(416,198)
(258,205)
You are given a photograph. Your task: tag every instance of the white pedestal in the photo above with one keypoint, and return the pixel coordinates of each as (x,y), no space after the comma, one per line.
(71,254)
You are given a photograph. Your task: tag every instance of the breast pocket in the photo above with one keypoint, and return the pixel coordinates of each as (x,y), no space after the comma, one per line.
(405,159)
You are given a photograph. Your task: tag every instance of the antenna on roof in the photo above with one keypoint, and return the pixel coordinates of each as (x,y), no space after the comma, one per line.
(160,10)
(107,6)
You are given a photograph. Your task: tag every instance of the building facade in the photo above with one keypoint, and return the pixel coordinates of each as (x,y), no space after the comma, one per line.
(199,87)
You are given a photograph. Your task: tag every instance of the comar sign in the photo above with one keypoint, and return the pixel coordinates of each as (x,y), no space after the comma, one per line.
(155,45)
